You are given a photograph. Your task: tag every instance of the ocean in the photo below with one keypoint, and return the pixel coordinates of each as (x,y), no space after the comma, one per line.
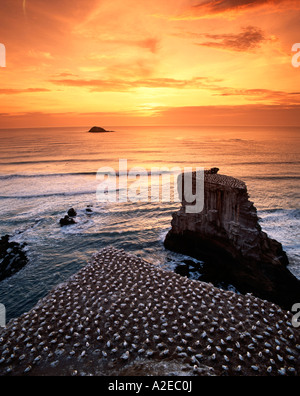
(46,171)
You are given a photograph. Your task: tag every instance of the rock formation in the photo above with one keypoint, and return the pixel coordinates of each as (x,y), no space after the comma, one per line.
(98,130)
(66,221)
(227,236)
(123,316)
(72,212)
(12,257)
(188,267)
(69,219)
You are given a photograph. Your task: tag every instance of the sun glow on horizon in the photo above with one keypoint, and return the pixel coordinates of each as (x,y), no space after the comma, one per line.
(125,60)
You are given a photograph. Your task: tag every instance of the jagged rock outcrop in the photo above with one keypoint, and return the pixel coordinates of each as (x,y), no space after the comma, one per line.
(12,257)
(69,219)
(227,236)
(66,221)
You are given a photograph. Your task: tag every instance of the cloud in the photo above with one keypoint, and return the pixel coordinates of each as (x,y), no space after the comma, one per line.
(275,97)
(230,8)
(15,91)
(148,43)
(65,74)
(122,85)
(249,39)
(40,54)
(210,85)
(151,44)
(53,119)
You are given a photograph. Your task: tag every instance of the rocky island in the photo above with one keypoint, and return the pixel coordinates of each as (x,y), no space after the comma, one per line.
(123,316)
(227,236)
(96,129)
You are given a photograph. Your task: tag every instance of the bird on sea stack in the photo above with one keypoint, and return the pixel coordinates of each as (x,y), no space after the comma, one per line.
(121,314)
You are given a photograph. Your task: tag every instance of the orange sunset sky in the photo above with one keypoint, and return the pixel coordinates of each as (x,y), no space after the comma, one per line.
(149,62)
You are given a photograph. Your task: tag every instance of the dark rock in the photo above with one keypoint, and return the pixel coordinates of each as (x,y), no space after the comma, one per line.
(195,265)
(213,171)
(66,221)
(227,236)
(188,267)
(98,130)
(183,270)
(72,212)
(12,257)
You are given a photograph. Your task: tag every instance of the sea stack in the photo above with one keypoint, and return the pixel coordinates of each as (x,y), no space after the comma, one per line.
(227,236)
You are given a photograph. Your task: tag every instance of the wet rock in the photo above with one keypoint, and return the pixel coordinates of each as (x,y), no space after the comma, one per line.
(66,221)
(196,266)
(12,257)
(183,270)
(72,212)
(213,171)
(188,267)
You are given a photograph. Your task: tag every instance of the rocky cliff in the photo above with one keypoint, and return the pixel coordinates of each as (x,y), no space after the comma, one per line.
(227,236)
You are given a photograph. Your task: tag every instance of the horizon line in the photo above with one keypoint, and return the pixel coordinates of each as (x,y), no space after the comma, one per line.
(158,125)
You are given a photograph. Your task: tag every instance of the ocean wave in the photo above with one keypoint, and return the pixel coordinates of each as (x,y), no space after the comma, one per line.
(51,175)
(281,211)
(51,161)
(47,195)
(44,175)
(267,163)
(74,160)
(280,218)
(284,177)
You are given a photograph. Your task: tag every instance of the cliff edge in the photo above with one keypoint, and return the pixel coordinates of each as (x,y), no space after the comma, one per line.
(227,236)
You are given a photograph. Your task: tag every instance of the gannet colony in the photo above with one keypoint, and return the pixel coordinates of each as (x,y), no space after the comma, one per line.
(121,315)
